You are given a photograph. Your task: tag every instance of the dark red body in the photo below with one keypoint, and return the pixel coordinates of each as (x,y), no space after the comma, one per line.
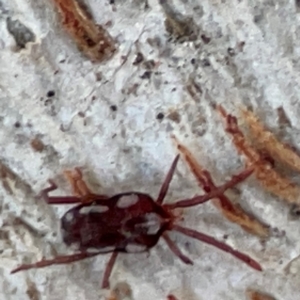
(129,222)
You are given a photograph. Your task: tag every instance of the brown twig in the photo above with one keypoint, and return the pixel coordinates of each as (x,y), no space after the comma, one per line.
(233,212)
(256,295)
(264,172)
(266,140)
(92,39)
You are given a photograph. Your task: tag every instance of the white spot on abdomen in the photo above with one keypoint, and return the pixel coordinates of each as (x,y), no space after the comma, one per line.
(127,201)
(93,209)
(74,246)
(133,248)
(69,216)
(101,250)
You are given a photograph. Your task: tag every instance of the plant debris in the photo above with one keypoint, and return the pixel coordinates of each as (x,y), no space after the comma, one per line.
(92,39)
(264,170)
(176,24)
(255,295)
(232,212)
(267,141)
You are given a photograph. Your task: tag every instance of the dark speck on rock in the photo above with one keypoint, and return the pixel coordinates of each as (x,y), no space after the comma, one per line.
(160,116)
(50,93)
(146,75)
(113,107)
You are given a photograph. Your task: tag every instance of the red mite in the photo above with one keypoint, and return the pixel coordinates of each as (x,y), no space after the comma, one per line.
(128,222)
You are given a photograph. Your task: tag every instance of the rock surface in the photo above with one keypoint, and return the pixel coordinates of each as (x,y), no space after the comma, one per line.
(114,120)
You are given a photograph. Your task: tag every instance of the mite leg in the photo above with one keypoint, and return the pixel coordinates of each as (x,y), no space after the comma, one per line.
(222,246)
(176,250)
(108,270)
(164,188)
(213,194)
(56,200)
(232,212)
(58,260)
(80,189)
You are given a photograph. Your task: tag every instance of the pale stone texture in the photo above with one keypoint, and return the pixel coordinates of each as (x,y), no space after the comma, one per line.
(130,149)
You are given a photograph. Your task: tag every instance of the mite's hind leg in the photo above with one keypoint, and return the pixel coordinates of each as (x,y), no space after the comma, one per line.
(57,199)
(80,188)
(58,260)
(82,193)
(108,270)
